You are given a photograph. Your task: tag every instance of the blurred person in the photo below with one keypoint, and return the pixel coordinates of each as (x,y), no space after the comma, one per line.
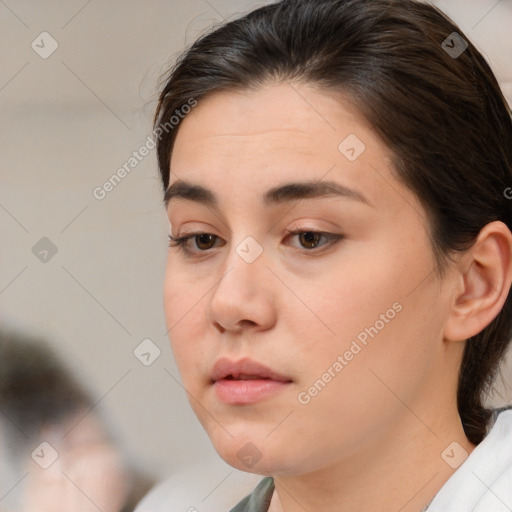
(337,291)
(52,441)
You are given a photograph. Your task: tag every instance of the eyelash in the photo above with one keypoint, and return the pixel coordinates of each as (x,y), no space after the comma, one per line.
(181,242)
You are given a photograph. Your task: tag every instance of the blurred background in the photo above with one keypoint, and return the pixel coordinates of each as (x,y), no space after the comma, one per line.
(81,263)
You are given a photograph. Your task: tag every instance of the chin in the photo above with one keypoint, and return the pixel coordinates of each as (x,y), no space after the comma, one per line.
(243,450)
(248,461)
(252,454)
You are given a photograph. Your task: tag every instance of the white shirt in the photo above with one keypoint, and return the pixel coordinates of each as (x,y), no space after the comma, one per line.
(483,483)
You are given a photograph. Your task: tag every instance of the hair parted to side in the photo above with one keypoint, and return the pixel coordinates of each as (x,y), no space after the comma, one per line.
(445,120)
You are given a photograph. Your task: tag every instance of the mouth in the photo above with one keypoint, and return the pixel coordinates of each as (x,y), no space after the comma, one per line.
(245,381)
(245,369)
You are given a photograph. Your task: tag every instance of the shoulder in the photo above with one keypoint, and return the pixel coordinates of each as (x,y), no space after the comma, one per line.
(484,480)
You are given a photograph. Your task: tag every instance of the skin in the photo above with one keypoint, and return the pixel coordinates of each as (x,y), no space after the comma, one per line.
(372,438)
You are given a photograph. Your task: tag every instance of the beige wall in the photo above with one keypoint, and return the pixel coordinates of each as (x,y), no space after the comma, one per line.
(68,123)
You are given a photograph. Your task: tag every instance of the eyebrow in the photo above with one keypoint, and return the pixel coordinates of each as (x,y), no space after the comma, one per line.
(277,195)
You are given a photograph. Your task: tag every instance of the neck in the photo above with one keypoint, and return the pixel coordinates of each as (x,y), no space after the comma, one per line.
(396,472)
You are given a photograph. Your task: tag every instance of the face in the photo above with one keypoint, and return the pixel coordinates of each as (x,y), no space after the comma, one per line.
(293,311)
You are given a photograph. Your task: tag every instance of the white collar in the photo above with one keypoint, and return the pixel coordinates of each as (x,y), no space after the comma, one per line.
(483,482)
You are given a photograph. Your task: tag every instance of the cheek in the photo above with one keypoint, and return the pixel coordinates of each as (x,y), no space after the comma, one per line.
(369,385)
(185,293)
(184,315)
(364,301)
(348,296)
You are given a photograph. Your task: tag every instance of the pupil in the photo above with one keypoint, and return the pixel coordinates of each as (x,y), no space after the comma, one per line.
(310,237)
(205,238)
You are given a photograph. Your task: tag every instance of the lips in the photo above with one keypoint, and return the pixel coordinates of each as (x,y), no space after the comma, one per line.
(245,369)
(246,382)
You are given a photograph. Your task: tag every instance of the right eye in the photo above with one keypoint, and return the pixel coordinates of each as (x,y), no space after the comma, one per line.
(201,240)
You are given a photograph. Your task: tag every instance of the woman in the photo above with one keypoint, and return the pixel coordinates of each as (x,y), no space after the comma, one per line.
(337,287)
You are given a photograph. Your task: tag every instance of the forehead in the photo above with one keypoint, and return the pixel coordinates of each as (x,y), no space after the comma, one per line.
(302,117)
(253,140)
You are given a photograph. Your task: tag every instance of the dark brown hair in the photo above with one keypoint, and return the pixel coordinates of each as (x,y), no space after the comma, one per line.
(442,115)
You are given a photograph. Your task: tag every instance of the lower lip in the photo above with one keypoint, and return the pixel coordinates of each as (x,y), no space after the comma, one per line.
(238,392)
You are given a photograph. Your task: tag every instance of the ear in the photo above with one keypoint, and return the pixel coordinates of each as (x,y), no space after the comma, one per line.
(484,277)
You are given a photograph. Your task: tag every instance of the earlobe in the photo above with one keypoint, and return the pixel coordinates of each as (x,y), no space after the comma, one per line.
(485,274)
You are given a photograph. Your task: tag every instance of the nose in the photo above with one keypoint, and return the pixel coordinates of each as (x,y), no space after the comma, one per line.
(243,296)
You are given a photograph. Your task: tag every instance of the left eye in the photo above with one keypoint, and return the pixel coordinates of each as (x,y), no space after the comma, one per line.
(310,239)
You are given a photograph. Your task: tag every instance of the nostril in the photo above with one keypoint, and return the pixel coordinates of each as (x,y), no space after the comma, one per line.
(249,323)
(219,327)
